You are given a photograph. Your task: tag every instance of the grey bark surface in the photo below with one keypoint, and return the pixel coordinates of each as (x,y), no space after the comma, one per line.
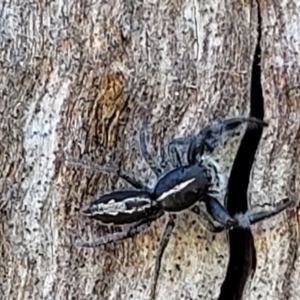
(76,78)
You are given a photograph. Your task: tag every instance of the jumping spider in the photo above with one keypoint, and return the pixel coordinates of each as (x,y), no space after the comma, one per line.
(179,189)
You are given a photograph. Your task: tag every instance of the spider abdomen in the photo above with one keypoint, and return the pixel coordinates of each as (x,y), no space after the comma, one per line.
(121,207)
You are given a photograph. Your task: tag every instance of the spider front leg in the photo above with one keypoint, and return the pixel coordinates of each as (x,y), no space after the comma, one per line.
(206,220)
(219,133)
(220,214)
(119,236)
(211,136)
(250,218)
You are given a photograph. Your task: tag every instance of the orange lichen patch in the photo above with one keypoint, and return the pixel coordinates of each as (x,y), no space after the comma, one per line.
(107,109)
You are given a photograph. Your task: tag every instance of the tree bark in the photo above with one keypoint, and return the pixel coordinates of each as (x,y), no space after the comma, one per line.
(76,78)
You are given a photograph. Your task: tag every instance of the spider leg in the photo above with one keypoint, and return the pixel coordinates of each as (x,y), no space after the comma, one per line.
(162,246)
(174,157)
(91,165)
(147,156)
(163,155)
(249,218)
(211,136)
(194,150)
(219,213)
(88,164)
(173,152)
(119,236)
(132,181)
(206,220)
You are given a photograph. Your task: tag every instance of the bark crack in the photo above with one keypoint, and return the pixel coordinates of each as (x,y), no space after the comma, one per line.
(242,261)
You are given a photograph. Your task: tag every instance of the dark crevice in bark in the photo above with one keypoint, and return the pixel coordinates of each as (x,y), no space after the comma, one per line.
(242,261)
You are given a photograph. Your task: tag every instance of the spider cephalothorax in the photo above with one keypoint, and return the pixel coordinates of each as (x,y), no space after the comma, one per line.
(183,187)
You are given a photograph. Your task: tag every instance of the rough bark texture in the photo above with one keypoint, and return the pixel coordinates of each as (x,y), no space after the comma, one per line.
(76,78)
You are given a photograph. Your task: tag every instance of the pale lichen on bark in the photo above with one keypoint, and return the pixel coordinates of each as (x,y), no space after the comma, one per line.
(185,64)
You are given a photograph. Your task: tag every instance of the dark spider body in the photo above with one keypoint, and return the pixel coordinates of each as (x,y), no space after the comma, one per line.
(179,189)
(175,191)
(184,187)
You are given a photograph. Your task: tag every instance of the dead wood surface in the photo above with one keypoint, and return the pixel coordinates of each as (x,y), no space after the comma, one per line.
(76,77)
